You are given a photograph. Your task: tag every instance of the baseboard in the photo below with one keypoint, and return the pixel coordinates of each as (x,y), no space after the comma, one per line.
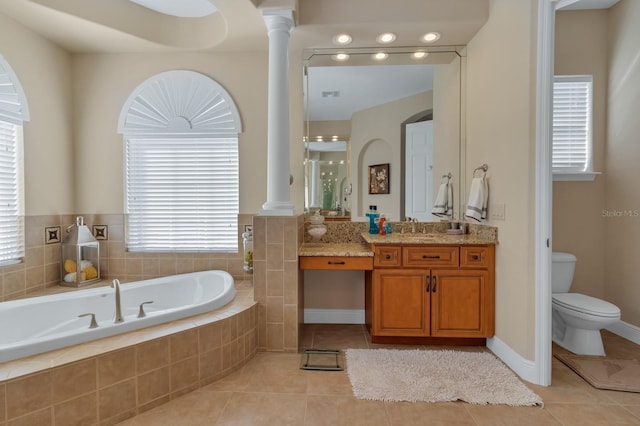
(524,368)
(334,316)
(626,330)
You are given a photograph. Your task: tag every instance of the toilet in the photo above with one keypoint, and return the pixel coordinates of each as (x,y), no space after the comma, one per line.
(577,318)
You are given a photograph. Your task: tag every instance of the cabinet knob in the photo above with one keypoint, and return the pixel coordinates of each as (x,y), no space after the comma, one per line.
(387,256)
(475,257)
(426,256)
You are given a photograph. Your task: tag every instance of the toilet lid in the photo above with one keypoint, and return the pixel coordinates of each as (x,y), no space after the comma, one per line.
(586,304)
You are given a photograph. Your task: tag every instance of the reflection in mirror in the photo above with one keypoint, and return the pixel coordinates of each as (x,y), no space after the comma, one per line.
(403,111)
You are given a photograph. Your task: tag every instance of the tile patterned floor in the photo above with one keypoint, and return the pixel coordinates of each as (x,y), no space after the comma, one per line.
(272,390)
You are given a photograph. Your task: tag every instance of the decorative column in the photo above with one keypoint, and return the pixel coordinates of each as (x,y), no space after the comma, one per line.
(279,25)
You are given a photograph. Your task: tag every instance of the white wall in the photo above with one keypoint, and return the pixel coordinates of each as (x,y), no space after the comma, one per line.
(500,123)
(44,70)
(622,233)
(102,83)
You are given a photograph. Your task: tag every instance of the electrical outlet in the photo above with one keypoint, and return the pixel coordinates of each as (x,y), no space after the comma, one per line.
(497,211)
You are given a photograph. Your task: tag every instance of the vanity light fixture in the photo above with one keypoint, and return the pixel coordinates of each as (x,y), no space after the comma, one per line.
(342,39)
(430,37)
(334,138)
(319,138)
(380,56)
(341,57)
(386,38)
(419,54)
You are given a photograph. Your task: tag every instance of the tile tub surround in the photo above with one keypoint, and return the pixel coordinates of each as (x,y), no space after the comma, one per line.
(41,267)
(278,283)
(109,380)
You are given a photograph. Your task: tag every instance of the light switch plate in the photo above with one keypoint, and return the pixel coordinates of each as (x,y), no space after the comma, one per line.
(497,211)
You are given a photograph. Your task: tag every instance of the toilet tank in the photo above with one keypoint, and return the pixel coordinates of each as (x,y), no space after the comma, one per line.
(562,267)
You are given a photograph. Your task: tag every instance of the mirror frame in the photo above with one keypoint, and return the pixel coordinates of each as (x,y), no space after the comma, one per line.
(460,51)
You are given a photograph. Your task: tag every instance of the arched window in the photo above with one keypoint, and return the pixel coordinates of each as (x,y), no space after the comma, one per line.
(181,165)
(14,110)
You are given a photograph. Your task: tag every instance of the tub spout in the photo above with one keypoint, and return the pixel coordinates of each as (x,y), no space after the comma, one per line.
(117,317)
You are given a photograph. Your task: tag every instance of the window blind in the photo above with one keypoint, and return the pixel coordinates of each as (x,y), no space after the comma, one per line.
(11,204)
(572,123)
(182,194)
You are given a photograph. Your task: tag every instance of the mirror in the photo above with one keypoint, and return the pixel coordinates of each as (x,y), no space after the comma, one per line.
(401,114)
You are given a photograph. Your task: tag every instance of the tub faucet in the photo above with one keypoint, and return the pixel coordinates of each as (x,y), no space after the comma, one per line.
(117,317)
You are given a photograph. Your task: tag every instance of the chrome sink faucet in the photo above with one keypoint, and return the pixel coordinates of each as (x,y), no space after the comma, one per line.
(117,317)
(414,222)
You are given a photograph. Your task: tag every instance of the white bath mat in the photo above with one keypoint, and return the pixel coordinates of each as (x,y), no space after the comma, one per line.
(432,376)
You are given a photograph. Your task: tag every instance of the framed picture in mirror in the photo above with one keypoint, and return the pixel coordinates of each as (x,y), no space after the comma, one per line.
(379,179)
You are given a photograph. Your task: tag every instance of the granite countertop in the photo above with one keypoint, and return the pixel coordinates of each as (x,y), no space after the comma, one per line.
(430,238)
(336,249)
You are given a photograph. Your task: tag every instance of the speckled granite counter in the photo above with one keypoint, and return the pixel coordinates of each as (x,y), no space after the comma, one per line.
(336,249)
(431,239)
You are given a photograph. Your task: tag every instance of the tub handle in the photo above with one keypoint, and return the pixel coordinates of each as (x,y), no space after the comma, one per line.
(141,313)
(93,324)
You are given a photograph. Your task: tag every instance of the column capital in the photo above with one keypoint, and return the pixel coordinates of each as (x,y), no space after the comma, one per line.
(278,19)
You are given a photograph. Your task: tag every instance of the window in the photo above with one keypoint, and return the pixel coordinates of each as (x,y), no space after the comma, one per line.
(181,165)
(182,194)
(11,194)
(572,157)
(14,110)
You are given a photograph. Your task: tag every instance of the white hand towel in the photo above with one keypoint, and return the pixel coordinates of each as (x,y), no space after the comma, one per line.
(478,197)
(444,199)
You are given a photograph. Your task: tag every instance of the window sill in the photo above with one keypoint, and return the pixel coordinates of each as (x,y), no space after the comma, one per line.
(575,177)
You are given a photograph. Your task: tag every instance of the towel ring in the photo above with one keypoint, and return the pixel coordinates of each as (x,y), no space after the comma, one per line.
(483,168)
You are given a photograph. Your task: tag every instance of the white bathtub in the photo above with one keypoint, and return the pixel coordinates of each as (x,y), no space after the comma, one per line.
(41,324)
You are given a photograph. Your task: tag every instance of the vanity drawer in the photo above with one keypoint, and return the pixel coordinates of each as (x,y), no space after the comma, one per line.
(338,263)
(429,256)
(387,256)
(474,257)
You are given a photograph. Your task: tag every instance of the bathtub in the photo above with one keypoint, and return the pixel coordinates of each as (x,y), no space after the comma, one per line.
(41,324)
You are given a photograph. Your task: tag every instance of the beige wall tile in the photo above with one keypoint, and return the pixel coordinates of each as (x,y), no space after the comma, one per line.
(291,327)
(275,283)
(210,337)
(152,355)
(167,267)
(259,238)
(290,282)
(117,399)
(73,380)
(77,412)
(184,374)
(31,393)
(275,259)
(184,265)
(133,266)
(275,337)
(35,277)
(153,385)
(210,364)
(275,230)
(52,253)
(52,273)
(150,267)
(116,366)
(183,345)
(39,418)
(275,310)
(15,282)
(34,256)
(153,404)
(3,407)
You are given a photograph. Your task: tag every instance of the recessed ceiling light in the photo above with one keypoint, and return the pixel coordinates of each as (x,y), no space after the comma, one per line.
(386,38)
(380,56)
(342,39)
(340,57)
(430,37)
(419,54)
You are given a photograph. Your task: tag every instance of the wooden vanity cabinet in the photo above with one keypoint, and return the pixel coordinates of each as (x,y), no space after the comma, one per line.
(438,291)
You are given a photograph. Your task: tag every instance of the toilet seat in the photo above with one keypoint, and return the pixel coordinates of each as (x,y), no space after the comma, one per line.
(582,303)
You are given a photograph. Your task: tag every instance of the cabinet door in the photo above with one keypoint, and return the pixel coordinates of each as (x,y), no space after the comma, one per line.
(400,302)
(461,303)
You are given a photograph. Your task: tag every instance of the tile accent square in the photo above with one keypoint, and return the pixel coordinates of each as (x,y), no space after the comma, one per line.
(52,234)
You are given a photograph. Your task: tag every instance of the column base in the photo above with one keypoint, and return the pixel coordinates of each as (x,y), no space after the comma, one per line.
(277,208)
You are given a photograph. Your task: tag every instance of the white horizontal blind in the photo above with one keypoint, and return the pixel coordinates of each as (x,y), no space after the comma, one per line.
(182,194)
(11,204)
(572,124)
